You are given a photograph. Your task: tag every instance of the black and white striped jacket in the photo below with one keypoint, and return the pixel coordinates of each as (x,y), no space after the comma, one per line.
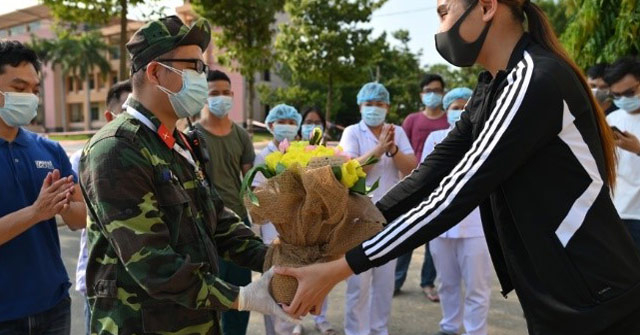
(528,152)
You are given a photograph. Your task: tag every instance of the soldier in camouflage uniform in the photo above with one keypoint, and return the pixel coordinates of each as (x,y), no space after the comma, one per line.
(156,228)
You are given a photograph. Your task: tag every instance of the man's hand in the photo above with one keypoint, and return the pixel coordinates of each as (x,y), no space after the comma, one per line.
(628,142)
(54,196)
(255,297)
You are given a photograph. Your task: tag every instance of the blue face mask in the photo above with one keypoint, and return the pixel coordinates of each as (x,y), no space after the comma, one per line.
(19,108)
(628,104)
(306,130)
(282,131)
(220,105)
(373,116)
(192,96)
(432,100)
(453,115)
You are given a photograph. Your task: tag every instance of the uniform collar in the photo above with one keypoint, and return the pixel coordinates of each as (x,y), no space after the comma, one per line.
(21,139)
(137,105)
(365,129)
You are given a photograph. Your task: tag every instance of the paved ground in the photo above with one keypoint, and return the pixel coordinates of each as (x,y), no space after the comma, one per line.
(412,313)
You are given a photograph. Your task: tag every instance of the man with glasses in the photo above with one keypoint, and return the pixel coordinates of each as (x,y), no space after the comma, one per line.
(624,79)
(418,126)
(157,227)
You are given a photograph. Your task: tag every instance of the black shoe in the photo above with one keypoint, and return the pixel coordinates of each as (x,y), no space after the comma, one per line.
(396,291)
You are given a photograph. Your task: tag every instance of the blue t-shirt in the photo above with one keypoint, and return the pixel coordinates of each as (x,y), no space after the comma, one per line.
(32,276)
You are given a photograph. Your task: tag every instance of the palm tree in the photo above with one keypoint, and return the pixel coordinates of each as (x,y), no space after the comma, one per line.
(76,54)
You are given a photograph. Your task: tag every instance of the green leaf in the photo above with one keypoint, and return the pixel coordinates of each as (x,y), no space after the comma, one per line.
(280,168)
(245,188)
(374,186)
(337,171)
(360,186)
(370,161)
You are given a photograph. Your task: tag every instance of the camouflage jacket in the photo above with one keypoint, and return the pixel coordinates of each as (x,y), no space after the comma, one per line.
(155,234)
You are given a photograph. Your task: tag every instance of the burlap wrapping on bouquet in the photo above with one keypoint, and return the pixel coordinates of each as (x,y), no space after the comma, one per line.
(318,220)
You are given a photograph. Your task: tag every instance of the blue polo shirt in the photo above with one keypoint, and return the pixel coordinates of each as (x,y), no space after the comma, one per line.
(32,276)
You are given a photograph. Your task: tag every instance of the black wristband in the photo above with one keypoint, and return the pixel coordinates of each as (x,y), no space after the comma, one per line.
(393,154)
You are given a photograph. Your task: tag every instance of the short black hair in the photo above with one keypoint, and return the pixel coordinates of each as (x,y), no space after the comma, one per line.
(429,77)
(215,75)
(15,53)
(114,93)
(622,67)
(597,71)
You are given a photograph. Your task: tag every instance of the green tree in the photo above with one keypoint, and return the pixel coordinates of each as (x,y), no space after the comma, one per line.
(398,68)
(456,77)
(325,42)
(94,12)
(602,31)
(557,12)
(245,37)
(76,54)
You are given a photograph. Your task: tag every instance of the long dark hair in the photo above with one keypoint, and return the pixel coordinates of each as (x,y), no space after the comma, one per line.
(542,33)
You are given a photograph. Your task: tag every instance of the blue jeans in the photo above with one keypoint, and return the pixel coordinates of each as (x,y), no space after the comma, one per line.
(634,229)
(427,275)
(87,316)
(55,321)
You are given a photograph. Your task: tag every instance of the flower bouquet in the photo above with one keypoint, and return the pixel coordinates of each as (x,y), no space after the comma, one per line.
(315,196)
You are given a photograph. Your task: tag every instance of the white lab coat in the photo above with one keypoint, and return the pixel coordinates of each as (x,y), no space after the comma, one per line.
(369,294)
(460,255)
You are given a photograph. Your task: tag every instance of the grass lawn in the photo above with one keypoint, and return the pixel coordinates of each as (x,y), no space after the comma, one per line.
(59,138)
(261,137)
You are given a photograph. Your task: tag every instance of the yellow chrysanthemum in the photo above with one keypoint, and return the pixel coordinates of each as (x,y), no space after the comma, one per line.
(351,172)
(322,151)
(273,159)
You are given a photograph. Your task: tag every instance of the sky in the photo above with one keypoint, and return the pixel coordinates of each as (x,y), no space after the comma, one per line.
(417,16)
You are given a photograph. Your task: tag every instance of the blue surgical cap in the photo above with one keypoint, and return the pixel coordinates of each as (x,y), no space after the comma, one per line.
(283,112)
(455,94)
(373,92)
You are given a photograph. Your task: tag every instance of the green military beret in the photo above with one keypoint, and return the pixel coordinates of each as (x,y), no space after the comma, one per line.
(161,36)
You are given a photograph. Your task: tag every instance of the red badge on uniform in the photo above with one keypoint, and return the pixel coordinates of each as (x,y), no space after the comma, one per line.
(166,136)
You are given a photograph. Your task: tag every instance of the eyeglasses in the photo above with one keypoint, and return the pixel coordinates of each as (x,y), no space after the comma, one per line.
(628,93)
(198,65)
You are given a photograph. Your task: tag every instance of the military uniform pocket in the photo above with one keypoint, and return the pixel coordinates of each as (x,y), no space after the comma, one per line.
(173,201)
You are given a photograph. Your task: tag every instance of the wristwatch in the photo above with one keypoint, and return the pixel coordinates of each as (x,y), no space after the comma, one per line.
(394,153)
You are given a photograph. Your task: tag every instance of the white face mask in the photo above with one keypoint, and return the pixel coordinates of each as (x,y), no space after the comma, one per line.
(373,116)
(285,131)
(192,96)
(19,108)
(220,105)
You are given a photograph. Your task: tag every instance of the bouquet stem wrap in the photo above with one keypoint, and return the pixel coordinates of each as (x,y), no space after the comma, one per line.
(317,218)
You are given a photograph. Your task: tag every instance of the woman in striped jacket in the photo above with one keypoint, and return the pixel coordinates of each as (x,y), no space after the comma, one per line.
(535,153)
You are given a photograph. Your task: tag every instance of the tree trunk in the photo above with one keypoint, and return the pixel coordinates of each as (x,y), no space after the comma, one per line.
(251,81)
(87,102)
(124,74)
(329,106)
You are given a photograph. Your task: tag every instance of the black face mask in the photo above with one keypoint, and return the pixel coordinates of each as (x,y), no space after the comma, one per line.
(454,49)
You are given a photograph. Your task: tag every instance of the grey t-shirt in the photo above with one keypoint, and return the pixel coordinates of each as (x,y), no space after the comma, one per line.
(228,154)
